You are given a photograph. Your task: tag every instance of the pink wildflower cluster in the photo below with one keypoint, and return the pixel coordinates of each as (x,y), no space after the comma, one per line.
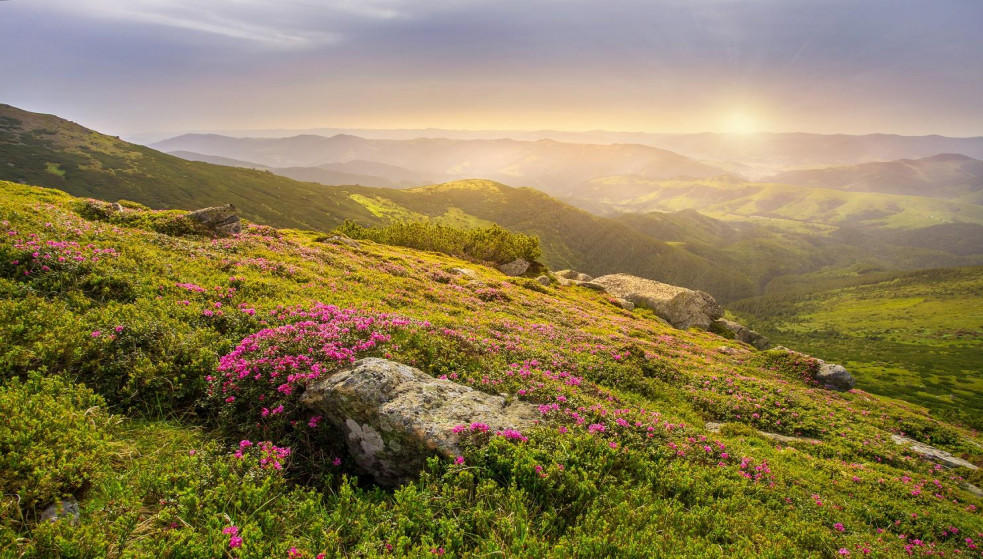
(37,255)
(271,365)
(235,541)
(270,455)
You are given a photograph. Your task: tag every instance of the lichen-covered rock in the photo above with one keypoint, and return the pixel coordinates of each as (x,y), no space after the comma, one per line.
(623,303)
(834,376)
(543,280)
(934,454)
(516,267)
(395,416)
(740,333)
(221,221)
(683,308)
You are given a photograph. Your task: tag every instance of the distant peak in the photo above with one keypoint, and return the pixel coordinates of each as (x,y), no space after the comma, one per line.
(949,157)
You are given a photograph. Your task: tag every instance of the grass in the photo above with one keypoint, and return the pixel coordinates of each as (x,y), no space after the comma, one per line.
(915,336)
(115,344)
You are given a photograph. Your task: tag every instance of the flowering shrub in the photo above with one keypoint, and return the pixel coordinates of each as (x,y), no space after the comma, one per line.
(257,384)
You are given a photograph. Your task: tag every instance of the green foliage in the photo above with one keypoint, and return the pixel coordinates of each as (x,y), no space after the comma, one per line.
(53,443)
(489,244)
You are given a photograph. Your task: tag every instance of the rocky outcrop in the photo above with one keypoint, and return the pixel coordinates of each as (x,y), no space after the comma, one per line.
(466,272)
(683,308)
(936,455)
(739,332)
(220,221)
(395,416)
(543,280)
(516,267)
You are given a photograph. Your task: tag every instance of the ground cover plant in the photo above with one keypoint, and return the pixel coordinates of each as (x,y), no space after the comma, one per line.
(122,353)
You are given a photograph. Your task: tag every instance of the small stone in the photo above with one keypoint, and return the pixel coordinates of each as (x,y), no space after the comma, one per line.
(68,508)
(516,267)
(543,280)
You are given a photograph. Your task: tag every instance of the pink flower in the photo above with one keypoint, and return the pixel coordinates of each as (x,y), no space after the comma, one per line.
(844,551)
(459,460)
(839,527)
(96,333)
(336,462)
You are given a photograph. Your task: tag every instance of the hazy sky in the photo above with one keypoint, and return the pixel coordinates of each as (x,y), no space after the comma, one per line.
(134,66)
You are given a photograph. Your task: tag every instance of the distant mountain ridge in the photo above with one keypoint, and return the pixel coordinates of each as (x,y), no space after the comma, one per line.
(551,166)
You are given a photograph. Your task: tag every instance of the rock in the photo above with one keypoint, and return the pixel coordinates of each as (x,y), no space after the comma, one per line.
(715,427)
(681,307)
(117,207)
(219,220)
(740,333)
(463,272)
(727,350)
(572,275)
(68,508)
(395,416)
(623,303)
(934,454)
(543,280)
(972,489)
(834,377)
(516,267)
(343,240)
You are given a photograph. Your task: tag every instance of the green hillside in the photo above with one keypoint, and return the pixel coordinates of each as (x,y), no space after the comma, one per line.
(53,152)
(735,199)
(113,335)
(915,336)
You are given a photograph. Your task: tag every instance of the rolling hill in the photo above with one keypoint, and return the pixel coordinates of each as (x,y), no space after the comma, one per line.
(731,198)
(950,176)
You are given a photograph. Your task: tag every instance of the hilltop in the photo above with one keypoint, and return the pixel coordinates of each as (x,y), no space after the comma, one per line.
(119,333)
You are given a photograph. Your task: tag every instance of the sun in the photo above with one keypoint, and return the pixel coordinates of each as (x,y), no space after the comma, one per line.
(740,123)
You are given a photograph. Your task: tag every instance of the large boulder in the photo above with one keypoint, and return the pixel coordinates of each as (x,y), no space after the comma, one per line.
(395,416)
(739,332)
(221,221)
(681,307)
(834,376)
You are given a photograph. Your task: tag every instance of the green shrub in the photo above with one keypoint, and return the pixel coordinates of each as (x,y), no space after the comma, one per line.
(490,244)
(53,441)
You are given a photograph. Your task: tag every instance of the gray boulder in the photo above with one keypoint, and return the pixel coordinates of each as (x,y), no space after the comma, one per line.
(68,508)
(516,267)
(681,307)
(934,454)
(395,416)
(221,221)
(543,280)
(740,333)
(834,377)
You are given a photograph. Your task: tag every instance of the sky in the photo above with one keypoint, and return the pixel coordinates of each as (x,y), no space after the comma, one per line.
(131,67)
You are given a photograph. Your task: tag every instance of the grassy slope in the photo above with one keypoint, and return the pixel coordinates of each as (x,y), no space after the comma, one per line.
(159,478)
(915,336)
